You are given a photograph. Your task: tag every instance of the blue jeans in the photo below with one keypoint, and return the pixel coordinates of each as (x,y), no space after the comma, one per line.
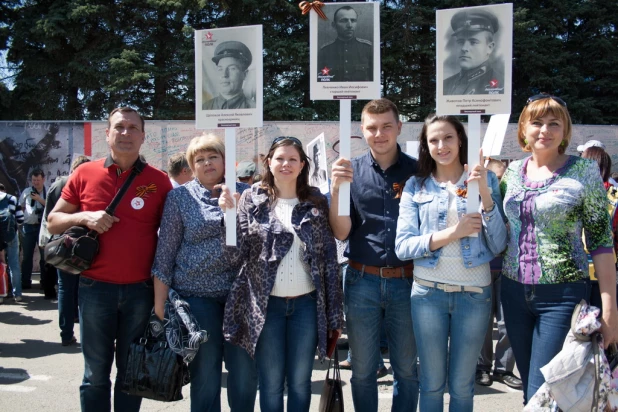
(206,367)
(370,302)
(539,316)
(109,312)
(12,259)
(68,285)
(30,237)
(285,350)
(439,318)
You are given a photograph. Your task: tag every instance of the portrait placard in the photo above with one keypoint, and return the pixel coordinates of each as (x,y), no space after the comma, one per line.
(228,77)
(318,175)
(474,54)
(345,52)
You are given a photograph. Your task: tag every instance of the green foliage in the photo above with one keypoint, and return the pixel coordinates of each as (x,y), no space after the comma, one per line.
(77,59)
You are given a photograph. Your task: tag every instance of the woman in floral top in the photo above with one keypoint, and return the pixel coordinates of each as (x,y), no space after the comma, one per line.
(548,198)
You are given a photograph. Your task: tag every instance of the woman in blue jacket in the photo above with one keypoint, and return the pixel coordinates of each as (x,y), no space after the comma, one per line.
(451,295)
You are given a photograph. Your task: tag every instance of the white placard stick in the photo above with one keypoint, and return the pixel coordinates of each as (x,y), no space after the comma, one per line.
(345,132)
(230,182)
(474,145)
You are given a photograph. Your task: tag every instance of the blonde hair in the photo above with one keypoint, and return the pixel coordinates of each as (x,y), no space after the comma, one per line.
(538,109)
(206,142)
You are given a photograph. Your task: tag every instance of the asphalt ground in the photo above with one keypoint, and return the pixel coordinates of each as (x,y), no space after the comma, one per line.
(38,374)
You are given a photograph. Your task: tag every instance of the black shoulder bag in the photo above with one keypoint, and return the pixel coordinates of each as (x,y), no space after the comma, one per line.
(74,250)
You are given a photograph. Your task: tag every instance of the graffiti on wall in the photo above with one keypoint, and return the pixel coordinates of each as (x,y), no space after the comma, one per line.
(26,146)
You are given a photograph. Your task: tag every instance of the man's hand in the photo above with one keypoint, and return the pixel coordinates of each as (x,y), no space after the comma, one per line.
(99,221)
(341,172)
(37,197)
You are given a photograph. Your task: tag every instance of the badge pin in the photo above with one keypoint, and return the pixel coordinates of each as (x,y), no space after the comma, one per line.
(137,203)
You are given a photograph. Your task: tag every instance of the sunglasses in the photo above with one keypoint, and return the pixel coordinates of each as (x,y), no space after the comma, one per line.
(290,138)
(546,96)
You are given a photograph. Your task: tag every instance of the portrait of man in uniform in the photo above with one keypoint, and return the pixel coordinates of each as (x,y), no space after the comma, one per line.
(474,48)
(348,57)
(317,177)
(232,60)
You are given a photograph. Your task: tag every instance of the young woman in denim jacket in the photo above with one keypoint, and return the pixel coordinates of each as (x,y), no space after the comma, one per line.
(451,295)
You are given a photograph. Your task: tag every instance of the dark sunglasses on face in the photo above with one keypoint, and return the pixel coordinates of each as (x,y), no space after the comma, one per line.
(546,96)
(290,138)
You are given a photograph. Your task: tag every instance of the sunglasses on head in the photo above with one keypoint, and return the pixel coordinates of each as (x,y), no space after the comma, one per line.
(546,96)
(290,138)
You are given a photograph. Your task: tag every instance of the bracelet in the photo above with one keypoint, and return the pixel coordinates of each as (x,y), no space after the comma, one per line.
(490,209)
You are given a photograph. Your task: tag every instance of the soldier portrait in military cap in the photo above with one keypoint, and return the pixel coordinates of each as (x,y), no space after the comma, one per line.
(345,48)
(472,46)
(232,60)
(230,78)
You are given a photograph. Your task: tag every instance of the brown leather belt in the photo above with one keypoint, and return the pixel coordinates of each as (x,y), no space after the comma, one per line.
(385,271)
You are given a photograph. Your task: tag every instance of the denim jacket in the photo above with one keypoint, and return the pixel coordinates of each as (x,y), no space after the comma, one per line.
(422,212)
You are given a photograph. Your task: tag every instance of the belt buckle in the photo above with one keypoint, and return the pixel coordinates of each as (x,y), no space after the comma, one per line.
(385,267)
(452,288)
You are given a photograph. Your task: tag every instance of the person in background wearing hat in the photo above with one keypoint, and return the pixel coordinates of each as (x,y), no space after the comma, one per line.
(233,59)
(347,58)
(474,33)
(245,171)
(590,143)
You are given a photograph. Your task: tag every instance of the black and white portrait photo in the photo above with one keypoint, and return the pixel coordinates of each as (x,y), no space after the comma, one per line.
(474,51)
(472,46)
(345,48)
(232,60)
(316,150)
(231,75)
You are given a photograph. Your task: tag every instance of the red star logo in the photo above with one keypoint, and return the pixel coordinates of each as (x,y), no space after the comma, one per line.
(493,83)
(209,36)
(325,71)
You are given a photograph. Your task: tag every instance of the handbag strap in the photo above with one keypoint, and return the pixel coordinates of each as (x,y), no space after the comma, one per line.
(336,369)
(138,166)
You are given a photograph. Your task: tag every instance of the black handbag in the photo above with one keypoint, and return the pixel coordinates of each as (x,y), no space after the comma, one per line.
(331,399)
(74,250)
(154,371)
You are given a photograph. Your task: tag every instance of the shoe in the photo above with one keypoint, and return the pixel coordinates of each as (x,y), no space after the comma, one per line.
(346,364)
(483,378)
(18,299)
(509,380)
(382,372)
(51,297)
(69,342)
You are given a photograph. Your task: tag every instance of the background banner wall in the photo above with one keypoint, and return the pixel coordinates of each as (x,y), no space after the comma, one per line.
(50,146)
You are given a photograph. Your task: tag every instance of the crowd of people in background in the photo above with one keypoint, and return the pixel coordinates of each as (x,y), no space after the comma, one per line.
(418,276)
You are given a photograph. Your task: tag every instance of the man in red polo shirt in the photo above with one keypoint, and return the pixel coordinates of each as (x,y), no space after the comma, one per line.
(116,293)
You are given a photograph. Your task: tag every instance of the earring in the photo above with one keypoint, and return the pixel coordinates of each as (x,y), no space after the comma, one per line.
(563,143)
(525,141)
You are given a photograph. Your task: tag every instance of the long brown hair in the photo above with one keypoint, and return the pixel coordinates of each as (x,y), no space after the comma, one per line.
(304,192)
